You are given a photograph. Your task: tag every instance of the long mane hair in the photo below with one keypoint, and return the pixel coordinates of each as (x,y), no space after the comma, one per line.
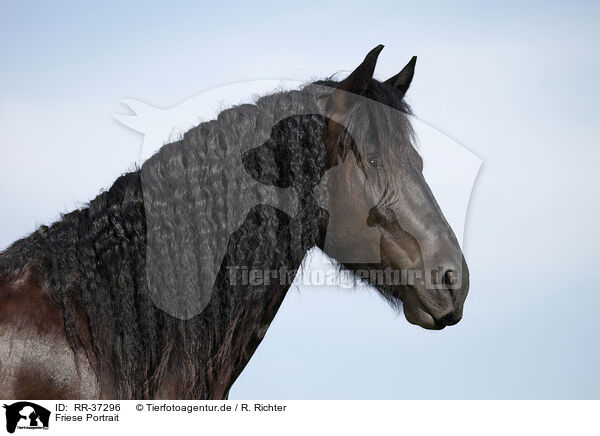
(92,262)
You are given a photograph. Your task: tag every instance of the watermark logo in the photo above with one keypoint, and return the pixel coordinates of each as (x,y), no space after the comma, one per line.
(25,415)
(215,166)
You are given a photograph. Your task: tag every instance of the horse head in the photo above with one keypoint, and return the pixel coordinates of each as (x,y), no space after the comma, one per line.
(385,225)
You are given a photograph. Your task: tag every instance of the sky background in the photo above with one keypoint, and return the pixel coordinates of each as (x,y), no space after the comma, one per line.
(516,84)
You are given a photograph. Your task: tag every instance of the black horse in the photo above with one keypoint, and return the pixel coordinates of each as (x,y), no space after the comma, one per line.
(84,308)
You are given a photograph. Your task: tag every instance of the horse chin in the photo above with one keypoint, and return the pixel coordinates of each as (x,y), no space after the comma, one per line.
(419,316)
(408,295)
(415,312)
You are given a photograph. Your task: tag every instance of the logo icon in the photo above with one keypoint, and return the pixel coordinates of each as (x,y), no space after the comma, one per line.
(26,415)
(249,149)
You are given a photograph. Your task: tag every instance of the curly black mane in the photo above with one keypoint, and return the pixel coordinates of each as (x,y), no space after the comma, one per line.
(93,262)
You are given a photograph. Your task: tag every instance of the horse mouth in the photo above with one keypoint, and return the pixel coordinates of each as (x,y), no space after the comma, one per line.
(416,312)
(427,321)
(432,309)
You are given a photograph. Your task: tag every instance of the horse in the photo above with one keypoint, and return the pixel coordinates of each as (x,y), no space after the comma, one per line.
(112,301)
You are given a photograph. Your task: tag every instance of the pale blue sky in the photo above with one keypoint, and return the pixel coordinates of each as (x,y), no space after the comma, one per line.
(517,84)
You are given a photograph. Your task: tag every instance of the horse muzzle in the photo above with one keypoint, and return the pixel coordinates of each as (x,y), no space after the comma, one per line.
(436,308)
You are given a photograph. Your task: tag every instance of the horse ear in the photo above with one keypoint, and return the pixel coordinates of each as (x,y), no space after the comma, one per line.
(357,83)
(401,81)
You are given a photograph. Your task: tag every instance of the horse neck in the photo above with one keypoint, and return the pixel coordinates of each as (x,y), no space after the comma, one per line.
(255,277)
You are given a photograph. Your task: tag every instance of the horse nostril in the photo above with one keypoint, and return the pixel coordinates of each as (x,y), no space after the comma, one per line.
(450,278)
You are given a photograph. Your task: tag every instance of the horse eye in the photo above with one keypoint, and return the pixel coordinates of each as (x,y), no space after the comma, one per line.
(373,161)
